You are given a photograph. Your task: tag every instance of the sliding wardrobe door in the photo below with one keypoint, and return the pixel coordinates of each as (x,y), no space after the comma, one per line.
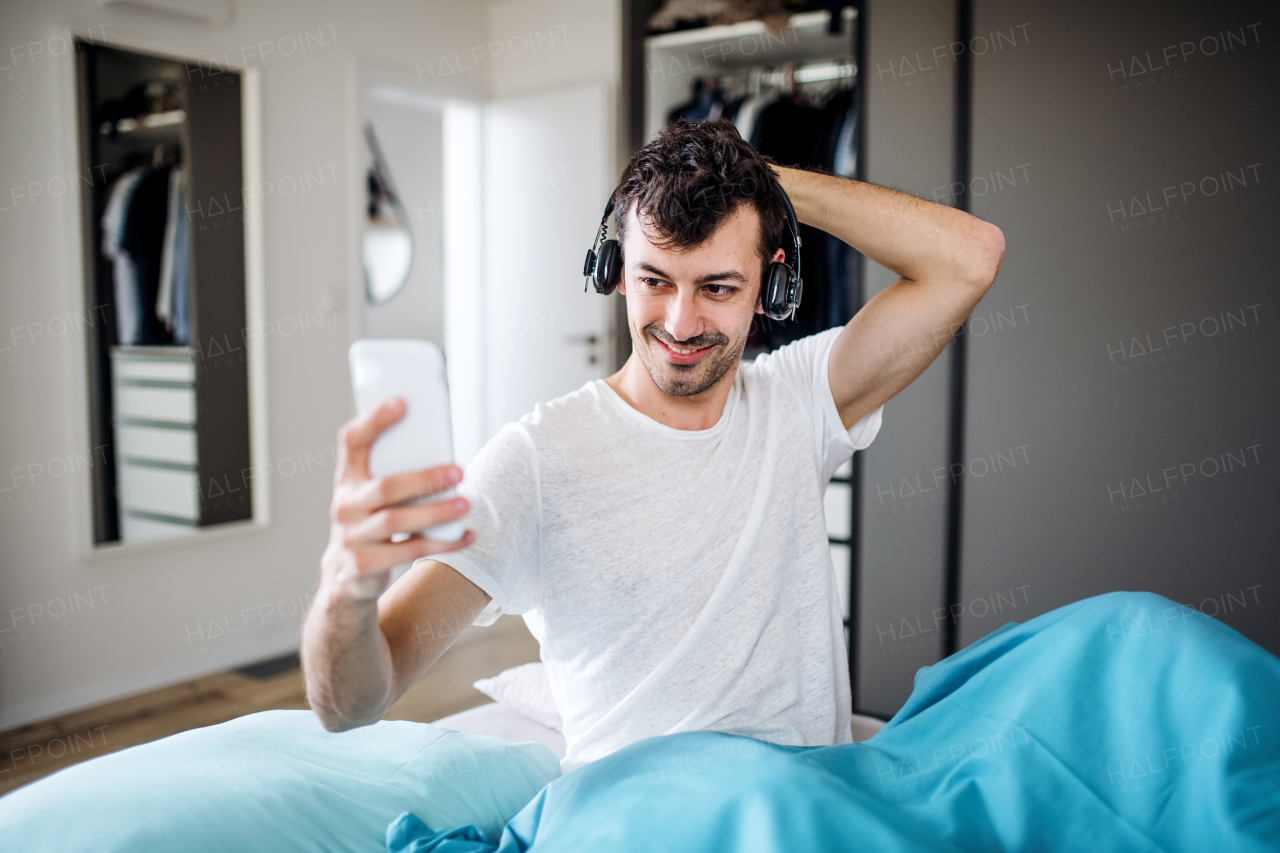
(1123,396)
(904,505)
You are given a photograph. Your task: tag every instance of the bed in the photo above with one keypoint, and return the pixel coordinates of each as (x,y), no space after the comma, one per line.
(1125,722)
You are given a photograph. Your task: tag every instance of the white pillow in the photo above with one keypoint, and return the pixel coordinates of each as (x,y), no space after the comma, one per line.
(524,689)
(864,728)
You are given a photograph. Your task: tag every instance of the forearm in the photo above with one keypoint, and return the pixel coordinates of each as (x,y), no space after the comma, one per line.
(357,658)
(917,239)
(346,661)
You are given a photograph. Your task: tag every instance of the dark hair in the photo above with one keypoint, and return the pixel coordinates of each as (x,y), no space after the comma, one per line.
(691,178)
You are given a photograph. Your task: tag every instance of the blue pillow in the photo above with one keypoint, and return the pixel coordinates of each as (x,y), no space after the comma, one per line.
(276,782)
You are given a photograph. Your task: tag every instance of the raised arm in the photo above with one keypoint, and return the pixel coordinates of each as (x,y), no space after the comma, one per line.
(946,260)
(361,653)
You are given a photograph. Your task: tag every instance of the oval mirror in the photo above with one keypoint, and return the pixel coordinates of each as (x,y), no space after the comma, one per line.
(388,242)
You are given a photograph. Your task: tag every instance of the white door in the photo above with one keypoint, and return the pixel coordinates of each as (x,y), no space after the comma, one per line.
(547,168)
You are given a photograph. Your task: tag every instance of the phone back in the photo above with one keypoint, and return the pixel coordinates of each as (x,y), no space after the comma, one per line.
(415,371)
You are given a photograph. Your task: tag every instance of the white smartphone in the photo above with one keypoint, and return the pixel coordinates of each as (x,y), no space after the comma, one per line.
(423,438)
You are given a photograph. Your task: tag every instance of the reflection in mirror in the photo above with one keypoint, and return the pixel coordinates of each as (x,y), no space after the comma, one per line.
(165,273)
(388,242)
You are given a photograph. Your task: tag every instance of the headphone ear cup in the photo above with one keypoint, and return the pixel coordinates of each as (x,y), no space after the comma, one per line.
(608,271)
(774,298)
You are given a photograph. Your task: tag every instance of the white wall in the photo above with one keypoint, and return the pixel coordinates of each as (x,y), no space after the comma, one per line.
(545,44)
(585,48)
(149,607)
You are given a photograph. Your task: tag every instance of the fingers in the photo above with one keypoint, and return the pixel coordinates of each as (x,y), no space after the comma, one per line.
(373,495)
(385,523)
(371,559)
(361,573)
(357,435)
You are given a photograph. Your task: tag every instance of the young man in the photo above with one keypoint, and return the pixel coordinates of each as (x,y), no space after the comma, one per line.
(661,530)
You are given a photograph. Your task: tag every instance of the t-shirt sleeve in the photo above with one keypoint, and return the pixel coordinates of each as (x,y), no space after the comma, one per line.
(803,365)
(502,485)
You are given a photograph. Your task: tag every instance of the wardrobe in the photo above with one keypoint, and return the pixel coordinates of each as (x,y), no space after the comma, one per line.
(792,91)
(163,243)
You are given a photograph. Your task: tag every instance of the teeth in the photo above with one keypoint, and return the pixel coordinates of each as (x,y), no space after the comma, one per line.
(681,351)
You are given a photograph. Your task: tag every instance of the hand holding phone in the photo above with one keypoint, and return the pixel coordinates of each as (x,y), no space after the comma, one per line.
(414,371)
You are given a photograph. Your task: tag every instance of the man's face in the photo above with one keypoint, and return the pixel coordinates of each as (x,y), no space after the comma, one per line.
(690,310)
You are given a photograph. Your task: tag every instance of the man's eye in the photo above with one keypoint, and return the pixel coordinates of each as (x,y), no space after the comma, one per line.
(719,289)
(651,282)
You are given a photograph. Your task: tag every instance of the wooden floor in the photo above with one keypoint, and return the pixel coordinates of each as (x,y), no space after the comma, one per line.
(38,749)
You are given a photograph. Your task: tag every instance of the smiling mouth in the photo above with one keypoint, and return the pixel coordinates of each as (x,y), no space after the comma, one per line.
(682,355)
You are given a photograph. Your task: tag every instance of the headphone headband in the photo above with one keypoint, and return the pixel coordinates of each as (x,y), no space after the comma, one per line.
(792,224)
(603,265)
(782,288)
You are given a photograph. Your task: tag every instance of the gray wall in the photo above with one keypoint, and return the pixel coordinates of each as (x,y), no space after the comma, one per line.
(1069,409)
(1102,408)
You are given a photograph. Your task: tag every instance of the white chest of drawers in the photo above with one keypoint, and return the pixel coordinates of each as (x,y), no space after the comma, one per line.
(157,469)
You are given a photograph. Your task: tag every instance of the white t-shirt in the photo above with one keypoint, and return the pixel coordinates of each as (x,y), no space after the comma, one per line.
(676,580)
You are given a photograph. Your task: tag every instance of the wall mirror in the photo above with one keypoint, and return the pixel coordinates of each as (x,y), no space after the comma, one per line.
(164,251)
(388,241)
(402,223)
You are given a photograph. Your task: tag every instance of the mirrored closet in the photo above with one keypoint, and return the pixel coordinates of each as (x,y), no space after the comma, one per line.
(164,252)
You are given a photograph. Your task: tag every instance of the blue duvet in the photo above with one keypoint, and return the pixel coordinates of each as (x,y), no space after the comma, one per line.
(1125,722)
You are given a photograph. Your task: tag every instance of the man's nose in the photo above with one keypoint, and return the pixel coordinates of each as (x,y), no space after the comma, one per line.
(682,321)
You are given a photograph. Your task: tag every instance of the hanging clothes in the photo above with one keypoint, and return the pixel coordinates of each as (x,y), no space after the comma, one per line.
(745,120)
(171,299)
(844,260)
(731,108)
(133,236)
(786,130)
(797,132)
(128,310)
(707,103)
(844,160)
(143,238)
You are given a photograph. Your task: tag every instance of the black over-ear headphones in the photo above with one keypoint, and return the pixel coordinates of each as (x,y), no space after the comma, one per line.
(603,268)
(780,291)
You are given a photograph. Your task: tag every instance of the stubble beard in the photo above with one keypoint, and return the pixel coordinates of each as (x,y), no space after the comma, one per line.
(681,380)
